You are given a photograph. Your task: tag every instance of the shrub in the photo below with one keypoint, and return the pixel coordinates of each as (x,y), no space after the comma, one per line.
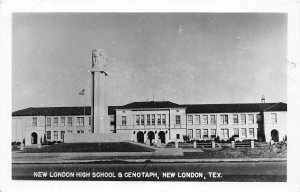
(231,138)
(186,138)
(217,139)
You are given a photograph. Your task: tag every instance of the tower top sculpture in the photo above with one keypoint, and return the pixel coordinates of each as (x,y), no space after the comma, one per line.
(99,60)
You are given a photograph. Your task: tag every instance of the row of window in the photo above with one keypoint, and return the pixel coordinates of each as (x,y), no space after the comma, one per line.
(223,119)
(62,133)
(224,133)
(62,123)
(158,119)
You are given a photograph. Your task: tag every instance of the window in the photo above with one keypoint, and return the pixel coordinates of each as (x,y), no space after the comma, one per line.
(34,121)
(137,120)
(235,119)
(163,119)
(153,119)
(48,122)
(197,119)
(273,117)
(70,121)
(251,133)
(177,117)
(148,119)
(198,133)
(205,133)
(213,133)
(212,119)
(251,118)
(205,119)
(190,119)
(225,133)
(80,122)
(90,120)
(236,132)
(158,119)
(69,131)
(244,133)
(48,135)
(62,121)
(80,131)
(243,118)
(55,123)
(177,136)
(55,134)
(142,119)
(190,133)
(62,135)
(123,120)
(224,119)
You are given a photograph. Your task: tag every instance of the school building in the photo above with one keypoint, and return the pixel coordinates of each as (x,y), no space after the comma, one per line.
(146,122)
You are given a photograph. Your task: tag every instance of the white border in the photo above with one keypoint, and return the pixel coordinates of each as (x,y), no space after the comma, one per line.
(11,6)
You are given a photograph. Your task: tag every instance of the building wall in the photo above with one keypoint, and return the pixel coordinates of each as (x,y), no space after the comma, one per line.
(170,128)
(24,127)
(221,127)
(279,125)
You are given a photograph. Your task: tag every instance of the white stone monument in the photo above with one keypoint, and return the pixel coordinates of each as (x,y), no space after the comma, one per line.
(99,106)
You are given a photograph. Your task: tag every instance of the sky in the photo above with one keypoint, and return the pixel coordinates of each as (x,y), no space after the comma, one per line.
(186,58)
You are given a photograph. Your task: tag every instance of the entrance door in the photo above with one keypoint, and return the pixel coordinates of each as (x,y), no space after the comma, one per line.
(140,137)
(275,135)
(162,136)
(34,138)
(150,136)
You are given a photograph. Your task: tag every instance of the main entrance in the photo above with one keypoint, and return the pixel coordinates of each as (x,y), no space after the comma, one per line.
(150,136)
(140,137)
(34,138)
(275,135)
(162,136)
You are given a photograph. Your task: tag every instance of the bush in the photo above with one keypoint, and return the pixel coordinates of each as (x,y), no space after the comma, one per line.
(217,139)
(186,138)
(231,138)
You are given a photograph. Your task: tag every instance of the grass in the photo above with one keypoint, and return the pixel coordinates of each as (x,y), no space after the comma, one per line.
(274,151)
(89,147)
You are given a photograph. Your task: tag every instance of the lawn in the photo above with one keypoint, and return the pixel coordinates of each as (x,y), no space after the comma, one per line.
(89,147)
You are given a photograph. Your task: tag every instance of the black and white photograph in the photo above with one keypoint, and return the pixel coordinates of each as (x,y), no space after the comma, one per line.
(190,97)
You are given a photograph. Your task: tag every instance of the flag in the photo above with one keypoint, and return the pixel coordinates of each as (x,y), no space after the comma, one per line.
(82,92)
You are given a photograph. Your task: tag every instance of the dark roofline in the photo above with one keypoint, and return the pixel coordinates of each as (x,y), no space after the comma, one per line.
(190,109)
(59,111)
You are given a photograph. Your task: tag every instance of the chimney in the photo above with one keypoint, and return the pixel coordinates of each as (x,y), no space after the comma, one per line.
(263,99)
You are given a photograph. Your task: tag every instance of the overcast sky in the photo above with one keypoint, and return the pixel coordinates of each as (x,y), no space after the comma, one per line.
(186,58)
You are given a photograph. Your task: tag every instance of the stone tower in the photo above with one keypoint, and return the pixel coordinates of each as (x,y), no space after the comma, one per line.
(99,106)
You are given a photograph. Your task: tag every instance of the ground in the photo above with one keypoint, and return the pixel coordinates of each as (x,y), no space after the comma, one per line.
(278,150)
